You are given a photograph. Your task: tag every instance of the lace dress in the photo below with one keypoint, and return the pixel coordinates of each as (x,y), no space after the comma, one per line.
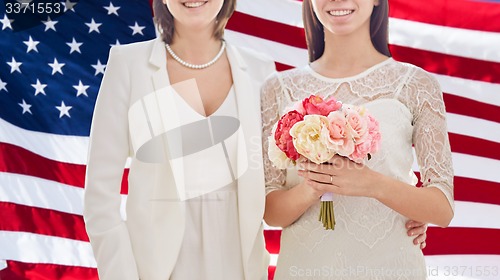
(370,239)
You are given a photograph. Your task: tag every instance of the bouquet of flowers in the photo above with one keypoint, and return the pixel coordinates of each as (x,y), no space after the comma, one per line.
(316,129)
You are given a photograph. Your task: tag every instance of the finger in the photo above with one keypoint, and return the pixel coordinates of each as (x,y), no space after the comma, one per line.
(325,167)
(318,169)
(420,238)
(423,245)
(322,187)
(307,172)
(303,173)
(413,224)
(320,177)
(417,230)
(314,167)
(318,187)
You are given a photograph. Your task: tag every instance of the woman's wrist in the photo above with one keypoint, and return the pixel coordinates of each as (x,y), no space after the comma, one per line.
(380,187)
(308,194)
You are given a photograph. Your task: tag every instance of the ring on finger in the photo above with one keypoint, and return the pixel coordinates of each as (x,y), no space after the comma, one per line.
(331,180)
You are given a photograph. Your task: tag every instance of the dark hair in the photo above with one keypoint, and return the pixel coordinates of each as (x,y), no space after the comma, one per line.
(315,34)
(165,21)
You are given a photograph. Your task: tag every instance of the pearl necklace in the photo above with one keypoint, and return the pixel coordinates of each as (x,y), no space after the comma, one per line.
(196,66)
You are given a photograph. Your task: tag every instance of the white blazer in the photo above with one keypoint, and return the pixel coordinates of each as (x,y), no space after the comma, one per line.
(146,245)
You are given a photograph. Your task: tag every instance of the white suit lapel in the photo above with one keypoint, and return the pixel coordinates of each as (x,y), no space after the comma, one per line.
(169,215)
(158,58)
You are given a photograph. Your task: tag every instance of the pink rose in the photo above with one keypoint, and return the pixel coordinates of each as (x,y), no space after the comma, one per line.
(357,123)
(361,152)
(282,135)
(338,137)
(315,105)
(374,132)
(370,144)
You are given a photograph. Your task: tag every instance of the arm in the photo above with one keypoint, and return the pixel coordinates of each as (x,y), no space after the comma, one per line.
(433,203)
(423,204)
(284,205)
(108,151)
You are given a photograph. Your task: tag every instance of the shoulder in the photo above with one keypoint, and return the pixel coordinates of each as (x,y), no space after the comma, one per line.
(287,77)
(280,82)
(294,73)
(137,46)
(135,49)
(137,56)
(250,54)
(416,74)
(421,89)
(258,65)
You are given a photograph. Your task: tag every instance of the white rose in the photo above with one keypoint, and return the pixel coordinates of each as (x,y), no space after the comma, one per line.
(308,141)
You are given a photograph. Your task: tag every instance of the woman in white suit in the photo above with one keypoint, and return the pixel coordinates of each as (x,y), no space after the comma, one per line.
(185,109)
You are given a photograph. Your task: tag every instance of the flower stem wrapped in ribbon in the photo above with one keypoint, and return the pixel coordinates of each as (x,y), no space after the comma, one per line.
(316,129)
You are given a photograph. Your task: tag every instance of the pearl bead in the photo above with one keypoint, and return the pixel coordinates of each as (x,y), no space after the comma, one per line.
(196,66)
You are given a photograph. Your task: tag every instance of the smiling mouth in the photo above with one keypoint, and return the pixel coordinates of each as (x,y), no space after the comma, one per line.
(340,13)
(194,4)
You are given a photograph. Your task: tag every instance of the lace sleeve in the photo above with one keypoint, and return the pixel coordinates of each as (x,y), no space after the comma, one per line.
(430,135)
(275,178)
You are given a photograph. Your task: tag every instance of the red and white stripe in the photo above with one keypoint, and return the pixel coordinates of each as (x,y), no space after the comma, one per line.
(42,234)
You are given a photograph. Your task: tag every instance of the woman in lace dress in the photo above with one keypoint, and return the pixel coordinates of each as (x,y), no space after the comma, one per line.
(350,60)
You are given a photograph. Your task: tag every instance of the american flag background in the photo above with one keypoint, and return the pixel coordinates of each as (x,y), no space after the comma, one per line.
(50,75)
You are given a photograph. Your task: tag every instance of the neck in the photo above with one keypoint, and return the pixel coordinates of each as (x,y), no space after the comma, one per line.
(195,46)
(348,54)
